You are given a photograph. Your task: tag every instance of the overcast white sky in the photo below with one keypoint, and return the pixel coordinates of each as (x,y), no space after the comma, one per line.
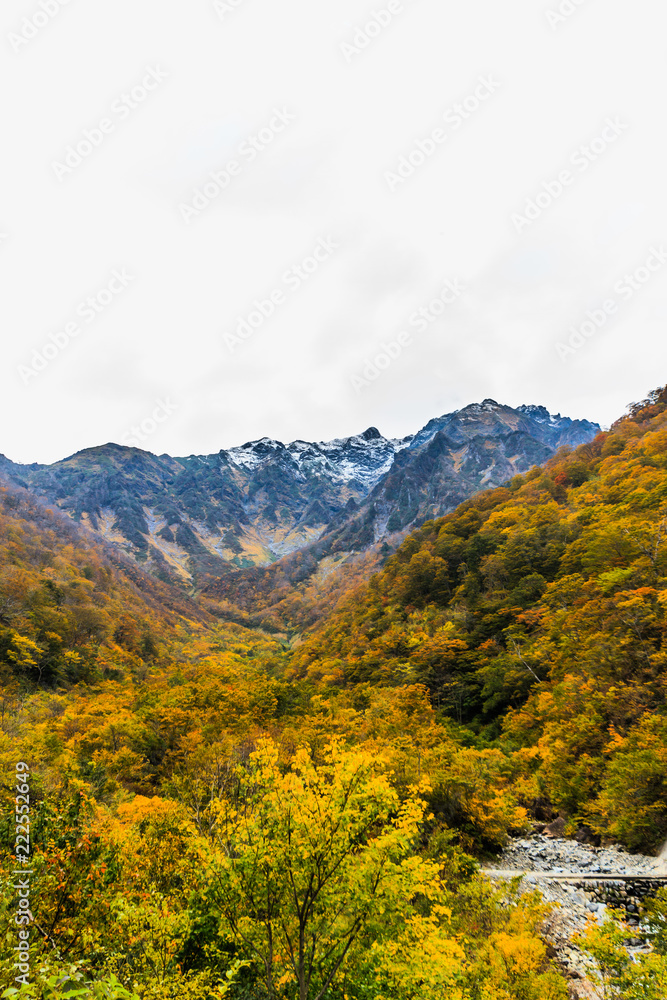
(347,115)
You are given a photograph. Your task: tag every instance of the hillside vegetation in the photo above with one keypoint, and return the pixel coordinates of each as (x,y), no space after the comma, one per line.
(71,608)
(535,615)
(218,812)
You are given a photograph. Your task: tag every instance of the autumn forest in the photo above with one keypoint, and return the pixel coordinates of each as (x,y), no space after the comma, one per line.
(296,806)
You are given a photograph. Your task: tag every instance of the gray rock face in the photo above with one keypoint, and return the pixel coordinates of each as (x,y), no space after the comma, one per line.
(492,419)
(244,506)
(479,447)
(556,828)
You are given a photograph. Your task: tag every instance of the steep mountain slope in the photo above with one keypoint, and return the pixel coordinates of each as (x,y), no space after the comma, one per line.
(203,517)
(478,447)
(247,505)
(537,613)
(451,459)
(73,608)
(492,420)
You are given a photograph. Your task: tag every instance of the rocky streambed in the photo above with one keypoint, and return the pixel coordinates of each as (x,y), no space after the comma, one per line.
(580,879)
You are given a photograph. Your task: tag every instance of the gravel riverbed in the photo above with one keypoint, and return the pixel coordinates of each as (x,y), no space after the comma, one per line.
(579,902)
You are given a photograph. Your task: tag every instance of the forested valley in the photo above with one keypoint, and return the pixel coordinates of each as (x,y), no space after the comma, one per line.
(224,811)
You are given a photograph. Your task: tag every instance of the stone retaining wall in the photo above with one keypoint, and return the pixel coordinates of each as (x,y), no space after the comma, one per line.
(622,894)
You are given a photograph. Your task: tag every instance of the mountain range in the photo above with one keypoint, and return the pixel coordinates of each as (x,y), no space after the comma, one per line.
(197,517)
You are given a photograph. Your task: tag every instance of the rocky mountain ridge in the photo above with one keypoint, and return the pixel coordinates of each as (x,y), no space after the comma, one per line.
(476,448)
(253,504)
